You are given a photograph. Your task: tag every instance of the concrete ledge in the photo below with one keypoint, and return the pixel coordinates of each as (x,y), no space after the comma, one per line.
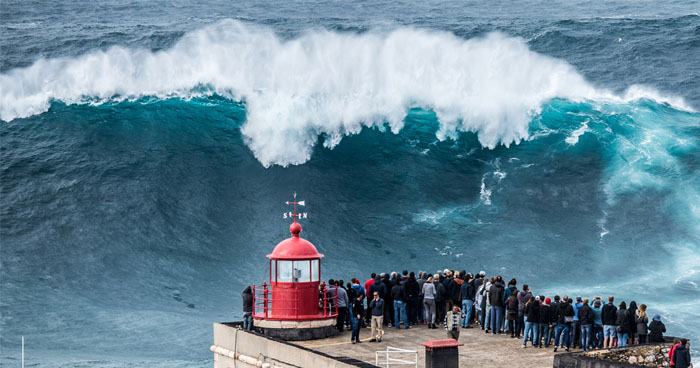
(645,355)
(269,351)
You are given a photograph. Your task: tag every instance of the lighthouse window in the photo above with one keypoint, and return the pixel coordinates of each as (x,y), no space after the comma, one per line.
(284,271)
(302,271)
(314,270)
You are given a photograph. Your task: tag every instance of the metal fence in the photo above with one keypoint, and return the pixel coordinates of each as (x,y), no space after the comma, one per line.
(288,307)
(396,356)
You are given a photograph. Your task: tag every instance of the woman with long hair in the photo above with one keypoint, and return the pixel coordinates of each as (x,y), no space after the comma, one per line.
(641,320)
(429,307)
(631,314)
(623,326)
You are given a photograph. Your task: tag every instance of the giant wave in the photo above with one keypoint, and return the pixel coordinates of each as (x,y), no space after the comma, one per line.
(324,84)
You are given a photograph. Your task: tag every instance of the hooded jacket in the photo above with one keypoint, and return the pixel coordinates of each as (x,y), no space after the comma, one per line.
(496,295)
(467,291)
(609,315)
(532,311)
(656,331)
(247,296)
(398,293)
(411,287)
(681,357)
(623,321)
(545,314)
(523,297)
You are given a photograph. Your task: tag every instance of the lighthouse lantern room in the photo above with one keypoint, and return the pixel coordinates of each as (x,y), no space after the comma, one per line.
(295,305)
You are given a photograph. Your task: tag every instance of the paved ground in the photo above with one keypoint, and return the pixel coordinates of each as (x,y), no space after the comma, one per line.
(479,350)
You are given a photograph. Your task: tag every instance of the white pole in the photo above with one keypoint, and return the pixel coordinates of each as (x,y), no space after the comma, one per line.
(22,351)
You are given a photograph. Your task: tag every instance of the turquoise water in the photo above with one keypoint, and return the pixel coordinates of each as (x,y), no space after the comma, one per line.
(148,150)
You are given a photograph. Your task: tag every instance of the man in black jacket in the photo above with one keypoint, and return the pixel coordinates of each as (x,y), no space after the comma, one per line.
(247,296)
(681,356)
(357,311)
(545,323)
(565,315)
(412,295)
(466,293)
(608,316)
(585,319)
(496,301)
(398,295)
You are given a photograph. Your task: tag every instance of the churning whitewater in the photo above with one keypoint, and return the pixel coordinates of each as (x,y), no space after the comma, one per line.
(323,83)
(147,150)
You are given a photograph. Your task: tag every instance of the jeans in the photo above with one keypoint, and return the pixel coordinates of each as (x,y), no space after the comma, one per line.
(575,330)
(429,308)
(530,331)
(545,334)
(356,324)
(566,329)
(487,321)
(597,336)
(585,336)
(622,339)
(467,309)
(496,319)
(521,323)
(248,321)
(400,307)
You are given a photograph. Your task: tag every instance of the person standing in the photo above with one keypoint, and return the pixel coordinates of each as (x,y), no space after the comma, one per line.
(467,295)
(512,315)
(412,291)
(565,315)
(377,308)
(523,297)
(545,323)
(247,296)
(357,312)
(641,321)
(368,292)
(609,316)
(656,329)
(422,279)
(681,356)
(531,315)
(342,306)
(585,319)
(389,303)
(597,323)
(631,314)
(623,325)
(398,295)
(496,296)
(440,295)
(576,325)
(429,301)
(487,303)
(452,320)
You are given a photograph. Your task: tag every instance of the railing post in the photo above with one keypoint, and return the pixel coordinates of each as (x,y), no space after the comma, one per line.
(323,291)
(265,298)
(254,292)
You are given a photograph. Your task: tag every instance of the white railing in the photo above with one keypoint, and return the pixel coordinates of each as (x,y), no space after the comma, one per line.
(396,356)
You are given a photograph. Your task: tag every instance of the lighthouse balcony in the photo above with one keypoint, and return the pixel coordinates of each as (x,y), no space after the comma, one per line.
(280,303)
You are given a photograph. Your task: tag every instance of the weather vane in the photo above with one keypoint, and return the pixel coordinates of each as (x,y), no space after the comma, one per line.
(295,215)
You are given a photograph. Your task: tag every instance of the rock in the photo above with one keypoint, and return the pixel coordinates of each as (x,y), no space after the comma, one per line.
(649,359)
(632,360)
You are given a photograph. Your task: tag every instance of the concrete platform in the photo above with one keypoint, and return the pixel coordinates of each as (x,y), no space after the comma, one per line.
(479,350)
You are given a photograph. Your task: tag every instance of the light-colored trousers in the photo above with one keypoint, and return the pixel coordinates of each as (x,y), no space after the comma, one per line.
(377,327)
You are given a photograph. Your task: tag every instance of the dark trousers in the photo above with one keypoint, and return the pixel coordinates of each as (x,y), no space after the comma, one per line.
(440,311)
(412,310)
(340,322)
(389,312)
(356,324)
(511,326)
(521,323)
(575,333)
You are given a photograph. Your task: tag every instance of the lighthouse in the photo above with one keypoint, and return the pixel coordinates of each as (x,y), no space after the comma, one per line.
(294,304)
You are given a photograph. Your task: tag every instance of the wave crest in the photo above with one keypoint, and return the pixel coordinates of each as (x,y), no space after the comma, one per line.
(322,83)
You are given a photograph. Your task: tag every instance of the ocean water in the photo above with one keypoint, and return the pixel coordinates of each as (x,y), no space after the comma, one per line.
(147,150)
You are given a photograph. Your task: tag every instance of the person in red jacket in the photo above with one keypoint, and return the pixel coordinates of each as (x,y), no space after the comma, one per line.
(676,343)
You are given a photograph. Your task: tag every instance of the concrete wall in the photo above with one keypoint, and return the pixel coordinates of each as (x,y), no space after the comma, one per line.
(228,337)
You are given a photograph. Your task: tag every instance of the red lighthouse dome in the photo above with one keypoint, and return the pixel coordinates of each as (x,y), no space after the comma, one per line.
(295,247)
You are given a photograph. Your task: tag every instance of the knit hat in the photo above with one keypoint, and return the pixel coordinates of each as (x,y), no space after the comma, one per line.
(657,317)
(547,301)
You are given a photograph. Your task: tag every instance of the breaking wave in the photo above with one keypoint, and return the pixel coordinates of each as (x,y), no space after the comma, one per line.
(323,84)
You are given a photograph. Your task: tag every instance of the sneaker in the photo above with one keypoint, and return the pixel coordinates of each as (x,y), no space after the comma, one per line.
(375,340)
(354,342)
(567,349)
(555,349)
(524,346)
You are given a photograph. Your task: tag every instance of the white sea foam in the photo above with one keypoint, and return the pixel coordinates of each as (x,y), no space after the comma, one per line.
(322,83)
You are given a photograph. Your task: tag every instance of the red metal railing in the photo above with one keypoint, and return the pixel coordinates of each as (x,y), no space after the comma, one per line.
(289,307)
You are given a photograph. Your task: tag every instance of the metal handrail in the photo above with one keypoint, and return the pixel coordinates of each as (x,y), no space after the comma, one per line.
(388,360)
(262,300)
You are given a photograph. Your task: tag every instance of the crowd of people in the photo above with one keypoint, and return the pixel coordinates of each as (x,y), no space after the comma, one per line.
(458,300)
